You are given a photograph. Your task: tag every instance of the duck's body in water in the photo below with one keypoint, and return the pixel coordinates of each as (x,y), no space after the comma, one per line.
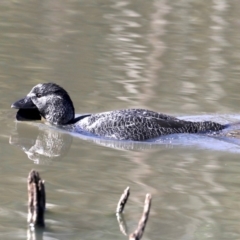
(55,105)
(140,124)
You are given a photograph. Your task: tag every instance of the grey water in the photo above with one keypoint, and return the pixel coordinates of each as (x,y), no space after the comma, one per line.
(177,57)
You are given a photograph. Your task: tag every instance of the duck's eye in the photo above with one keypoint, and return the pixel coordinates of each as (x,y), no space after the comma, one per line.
(38,95)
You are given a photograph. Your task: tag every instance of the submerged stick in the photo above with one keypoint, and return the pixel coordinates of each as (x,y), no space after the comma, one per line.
(137,234)
(123,200)
(36,199)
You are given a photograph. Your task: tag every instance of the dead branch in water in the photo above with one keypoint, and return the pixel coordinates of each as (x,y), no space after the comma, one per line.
(122,223)
(138,233)
(36,199)
(120,207)
(123,200)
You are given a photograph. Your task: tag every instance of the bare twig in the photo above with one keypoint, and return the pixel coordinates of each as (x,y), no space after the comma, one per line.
(36,199)
(123,200)
(137,234)
(122,223)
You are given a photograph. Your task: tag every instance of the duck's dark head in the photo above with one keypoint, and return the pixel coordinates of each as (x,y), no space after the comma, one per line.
(51,100)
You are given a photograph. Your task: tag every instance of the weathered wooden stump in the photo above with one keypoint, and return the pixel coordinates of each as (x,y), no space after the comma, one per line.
(36,199)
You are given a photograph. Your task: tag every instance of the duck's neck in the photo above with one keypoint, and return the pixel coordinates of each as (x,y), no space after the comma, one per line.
(60,111)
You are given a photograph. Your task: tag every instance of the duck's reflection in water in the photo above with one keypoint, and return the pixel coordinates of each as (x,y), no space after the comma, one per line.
(219,142)
(41,143)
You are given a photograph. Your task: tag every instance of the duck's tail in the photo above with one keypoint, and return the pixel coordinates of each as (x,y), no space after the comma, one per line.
(210,127)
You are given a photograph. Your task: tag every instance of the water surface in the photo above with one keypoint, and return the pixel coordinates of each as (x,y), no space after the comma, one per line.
(177,57)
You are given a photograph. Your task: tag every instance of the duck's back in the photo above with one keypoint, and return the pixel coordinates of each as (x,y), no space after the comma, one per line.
(140,124)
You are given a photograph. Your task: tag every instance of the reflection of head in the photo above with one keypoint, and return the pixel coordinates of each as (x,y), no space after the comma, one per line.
(42,145)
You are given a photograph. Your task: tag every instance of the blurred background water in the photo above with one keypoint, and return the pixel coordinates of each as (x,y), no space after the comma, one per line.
(176,57)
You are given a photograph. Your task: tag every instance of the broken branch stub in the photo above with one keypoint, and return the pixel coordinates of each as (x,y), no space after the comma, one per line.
(36,199)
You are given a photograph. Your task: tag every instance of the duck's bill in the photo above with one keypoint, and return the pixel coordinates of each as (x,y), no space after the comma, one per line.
(28,114)
(27,110)
(24,103)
